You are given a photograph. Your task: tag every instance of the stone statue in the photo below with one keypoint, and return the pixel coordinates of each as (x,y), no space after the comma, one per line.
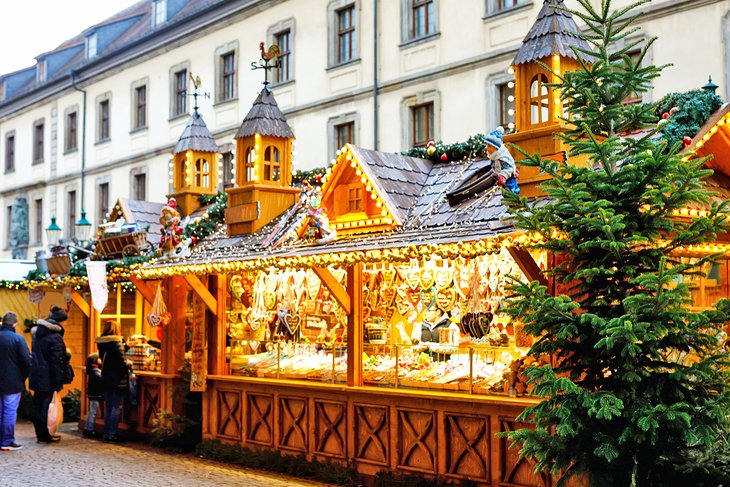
(19,236)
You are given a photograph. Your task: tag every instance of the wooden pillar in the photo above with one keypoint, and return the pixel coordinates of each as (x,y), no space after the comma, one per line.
(173,334)
(217,327)
(354,326)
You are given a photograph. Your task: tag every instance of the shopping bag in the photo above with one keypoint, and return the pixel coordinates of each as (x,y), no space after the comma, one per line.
(158,315)
(55,413)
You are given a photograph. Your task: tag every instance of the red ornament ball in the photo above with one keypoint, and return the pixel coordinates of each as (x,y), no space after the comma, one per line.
(687,141)
(665,115)
(431,143)
(444,157)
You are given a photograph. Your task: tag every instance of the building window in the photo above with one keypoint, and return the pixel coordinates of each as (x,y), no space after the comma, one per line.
(421,124)
(344,134)
(103,129)
(272,164)
(283,40)
(38,222)
(228,176)
(140,107)
(202,173)
(423,18)
(70,142)
(159,12)
(41,71)
(346,34)
(38,142)
(354,198)
(71,214)
(10,152)
(91,46)
(495,6)
(250,169)
(228,76)
(539,100)
(102,201)
(181,93)
(139,186)
(507,105)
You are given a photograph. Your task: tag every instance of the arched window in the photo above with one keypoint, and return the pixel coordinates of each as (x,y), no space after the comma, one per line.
(202,173)
(272,164)
(539,100)
(250,163)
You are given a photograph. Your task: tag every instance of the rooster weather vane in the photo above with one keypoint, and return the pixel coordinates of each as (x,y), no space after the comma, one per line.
(196,83)
(268,57)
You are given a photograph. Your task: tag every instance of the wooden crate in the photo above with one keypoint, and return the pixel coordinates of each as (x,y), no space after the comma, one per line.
(122,245)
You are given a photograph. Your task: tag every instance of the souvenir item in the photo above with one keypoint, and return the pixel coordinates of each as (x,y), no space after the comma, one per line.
(387,294)
(443,278)
(388,277)
(445,299)
(428,278)
(158,316)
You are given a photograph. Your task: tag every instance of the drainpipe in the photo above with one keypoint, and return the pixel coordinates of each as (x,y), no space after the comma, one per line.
(83,140)
(375,74)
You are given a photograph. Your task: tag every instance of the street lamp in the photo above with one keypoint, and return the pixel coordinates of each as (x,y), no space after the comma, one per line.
(710,86)
(53,232)
(83,227)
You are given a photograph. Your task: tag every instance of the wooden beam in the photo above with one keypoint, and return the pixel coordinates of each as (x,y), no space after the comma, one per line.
(528,265)
(147,293)
(203,292)
(338,290)
(80,302)
(355,326)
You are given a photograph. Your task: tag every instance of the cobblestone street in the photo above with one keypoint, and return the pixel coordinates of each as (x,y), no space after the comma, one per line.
(76,461)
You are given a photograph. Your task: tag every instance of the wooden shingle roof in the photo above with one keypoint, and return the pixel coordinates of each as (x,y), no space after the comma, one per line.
(554,32)
(196,136)
(265,118)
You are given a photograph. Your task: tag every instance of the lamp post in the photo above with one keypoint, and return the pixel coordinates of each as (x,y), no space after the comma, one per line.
(53,232)
(83,228)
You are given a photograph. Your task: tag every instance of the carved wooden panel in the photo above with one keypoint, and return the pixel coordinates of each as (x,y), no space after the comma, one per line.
(149,402)
(260,419)
(372,430)
(330,428)
(229,414)
(467,446)
(515,470)
(292,416)
(416,440)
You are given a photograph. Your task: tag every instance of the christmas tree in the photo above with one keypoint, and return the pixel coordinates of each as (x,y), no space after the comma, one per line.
(638,391)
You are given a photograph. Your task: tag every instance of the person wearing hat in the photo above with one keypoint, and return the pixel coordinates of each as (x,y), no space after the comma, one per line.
(47,368)
(115,373)
(502,161)
(14,368)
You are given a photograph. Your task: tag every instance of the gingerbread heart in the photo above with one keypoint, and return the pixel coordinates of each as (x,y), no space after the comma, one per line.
(445,299)
(414,296)
(270,299)
(388,313)
(402,303)
(387,294)
(388,277)
(443,278)
(428,278)
(293,322)
(374,298)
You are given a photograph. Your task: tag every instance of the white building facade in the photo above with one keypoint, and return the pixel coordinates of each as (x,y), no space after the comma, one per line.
(386,74)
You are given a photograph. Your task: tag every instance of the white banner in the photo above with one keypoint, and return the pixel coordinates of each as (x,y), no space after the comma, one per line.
(96,271)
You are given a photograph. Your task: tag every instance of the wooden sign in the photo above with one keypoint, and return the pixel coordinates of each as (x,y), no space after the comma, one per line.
(246,212)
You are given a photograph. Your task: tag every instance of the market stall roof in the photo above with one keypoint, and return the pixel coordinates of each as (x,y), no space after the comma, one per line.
(143,213)
(713,139)
(554,32)
(417,187)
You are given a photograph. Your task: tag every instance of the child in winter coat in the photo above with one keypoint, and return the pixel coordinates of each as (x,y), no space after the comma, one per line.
(94,391)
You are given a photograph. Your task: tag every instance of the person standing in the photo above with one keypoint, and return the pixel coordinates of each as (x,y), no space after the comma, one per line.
(14,368)
(46,374)
(115,372)
(94,391)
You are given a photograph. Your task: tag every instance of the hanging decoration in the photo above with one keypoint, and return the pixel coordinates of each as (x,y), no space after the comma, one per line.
(96,272)
(158,316)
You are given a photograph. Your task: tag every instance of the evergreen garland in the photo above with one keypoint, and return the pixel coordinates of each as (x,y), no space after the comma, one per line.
(638,393)
(203,226)
(310,176)
(694,109)
(473,148)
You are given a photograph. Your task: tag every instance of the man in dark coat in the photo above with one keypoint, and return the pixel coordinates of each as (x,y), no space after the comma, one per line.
(14,367)
(46,375)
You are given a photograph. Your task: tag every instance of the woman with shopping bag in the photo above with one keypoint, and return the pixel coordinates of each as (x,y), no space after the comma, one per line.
(115,373)
(48,362)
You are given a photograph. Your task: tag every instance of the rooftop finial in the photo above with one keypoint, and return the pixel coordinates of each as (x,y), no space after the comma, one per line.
(267,57)
(710,86)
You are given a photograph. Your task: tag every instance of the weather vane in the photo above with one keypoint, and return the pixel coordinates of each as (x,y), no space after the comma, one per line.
(196,83)
(267,57)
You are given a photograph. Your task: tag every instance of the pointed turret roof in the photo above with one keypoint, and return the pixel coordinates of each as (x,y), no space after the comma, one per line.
(553,32)
(265,118)
(196,136)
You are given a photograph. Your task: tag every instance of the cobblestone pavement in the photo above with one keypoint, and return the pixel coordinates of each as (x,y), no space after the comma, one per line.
(76,461)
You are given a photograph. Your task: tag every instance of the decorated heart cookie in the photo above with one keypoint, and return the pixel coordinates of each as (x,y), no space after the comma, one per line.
(445,299)
(428,278)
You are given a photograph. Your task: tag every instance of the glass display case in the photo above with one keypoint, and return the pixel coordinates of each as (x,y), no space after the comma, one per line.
(289,360)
